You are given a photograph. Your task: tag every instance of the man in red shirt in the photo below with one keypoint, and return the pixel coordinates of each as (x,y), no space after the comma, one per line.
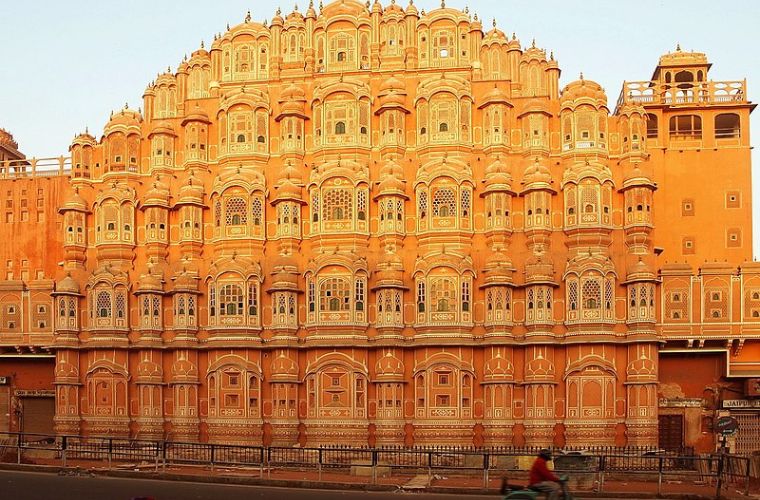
(542,479)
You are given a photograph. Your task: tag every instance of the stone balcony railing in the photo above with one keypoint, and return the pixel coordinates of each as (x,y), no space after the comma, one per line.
(683,93)
(35,167)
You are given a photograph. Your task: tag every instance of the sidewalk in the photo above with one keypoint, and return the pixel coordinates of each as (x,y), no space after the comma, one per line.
(394,480)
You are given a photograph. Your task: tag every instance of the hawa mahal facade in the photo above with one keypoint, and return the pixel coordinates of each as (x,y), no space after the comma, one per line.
(379,225)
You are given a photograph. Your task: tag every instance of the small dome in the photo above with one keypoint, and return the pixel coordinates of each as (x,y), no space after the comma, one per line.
(494,96)
(344,8)
(184,369)
(162,128)
(165,79)
(582,88)
(288,190)
(284,368)
(411,10)
(495,35)
(293,101)
(68,286)
(74,202)
(498,368)
(392,83)
(124,120)
(196,115)
(392,176)
(147,369)
(389,367)
(83,139)
(191,191)
(310,12)
(498,177)
(185,281)
(635,177)
(393,8)
(537,174)
(66,370)
(295,17)
(150,283)
(277,19)
(639,271)
(539,367)
(683,58)
(157,194)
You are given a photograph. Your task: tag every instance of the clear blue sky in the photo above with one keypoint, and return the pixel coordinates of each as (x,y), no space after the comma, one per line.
(67,64)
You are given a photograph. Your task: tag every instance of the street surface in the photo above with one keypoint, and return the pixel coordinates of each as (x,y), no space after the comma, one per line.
(46,486)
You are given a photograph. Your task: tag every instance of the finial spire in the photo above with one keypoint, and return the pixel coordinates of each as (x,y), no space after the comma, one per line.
(581,75)
(248,16)
(443,4)
(202,46)
(533,44)
(678,47)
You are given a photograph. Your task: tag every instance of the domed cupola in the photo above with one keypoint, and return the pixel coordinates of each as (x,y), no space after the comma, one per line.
(126,120)
(191,192)
(498,369)
(389,368)
(157,195)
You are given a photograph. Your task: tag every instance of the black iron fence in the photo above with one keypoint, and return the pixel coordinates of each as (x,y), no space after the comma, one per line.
(593,465)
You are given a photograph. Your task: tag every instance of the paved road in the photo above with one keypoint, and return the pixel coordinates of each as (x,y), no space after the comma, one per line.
(45,486)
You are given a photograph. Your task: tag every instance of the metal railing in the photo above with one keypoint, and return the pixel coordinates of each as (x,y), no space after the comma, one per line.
(595,464)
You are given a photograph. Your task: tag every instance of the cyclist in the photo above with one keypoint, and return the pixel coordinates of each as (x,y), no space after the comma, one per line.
(542,479)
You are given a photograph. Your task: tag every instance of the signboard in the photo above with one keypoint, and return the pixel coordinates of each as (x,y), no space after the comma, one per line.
(36,393)
(741,404)
(753,387)
(727,426)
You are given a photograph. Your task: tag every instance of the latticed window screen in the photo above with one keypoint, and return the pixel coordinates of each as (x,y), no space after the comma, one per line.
(256,211)
(231,300)
(465,203)
(103,304)
(444,203)
(609,295)
(591,293)
(218,213)
(361,204)
(236,213)
(334,295)
(422,202)
(156,304)
(572,295)
(315,206)
(121,305)
(181,305)
(421,299)
(337,204)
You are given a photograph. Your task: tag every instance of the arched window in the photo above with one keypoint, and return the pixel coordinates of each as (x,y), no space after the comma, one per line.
(727,126)
(340,128)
